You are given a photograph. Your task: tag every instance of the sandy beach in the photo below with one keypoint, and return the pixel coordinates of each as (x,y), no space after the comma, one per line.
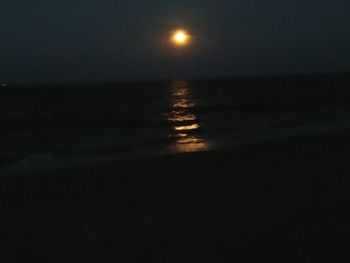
(285,200)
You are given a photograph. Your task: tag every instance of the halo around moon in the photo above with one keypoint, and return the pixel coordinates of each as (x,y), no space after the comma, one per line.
(180,37)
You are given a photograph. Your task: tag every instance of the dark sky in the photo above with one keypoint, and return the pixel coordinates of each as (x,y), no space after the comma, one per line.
(104,40)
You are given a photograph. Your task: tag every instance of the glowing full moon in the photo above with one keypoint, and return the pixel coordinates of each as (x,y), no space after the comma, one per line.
(180,37)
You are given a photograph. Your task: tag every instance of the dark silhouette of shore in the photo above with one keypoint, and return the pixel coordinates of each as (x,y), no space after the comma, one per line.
(285,200)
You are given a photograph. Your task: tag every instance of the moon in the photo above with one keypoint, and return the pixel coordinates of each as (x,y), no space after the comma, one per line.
(180,37)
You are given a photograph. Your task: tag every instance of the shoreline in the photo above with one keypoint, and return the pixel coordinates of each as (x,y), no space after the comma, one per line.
(47,163)
(282,201)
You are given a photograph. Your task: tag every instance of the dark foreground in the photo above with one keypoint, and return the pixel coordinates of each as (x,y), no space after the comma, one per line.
(281,201)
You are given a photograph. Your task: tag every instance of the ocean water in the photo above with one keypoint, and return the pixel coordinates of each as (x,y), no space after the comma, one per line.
(54,125)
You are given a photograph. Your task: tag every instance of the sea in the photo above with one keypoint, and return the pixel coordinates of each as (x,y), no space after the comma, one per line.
(50,126)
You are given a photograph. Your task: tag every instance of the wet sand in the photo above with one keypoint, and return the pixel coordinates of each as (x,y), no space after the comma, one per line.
(286,200)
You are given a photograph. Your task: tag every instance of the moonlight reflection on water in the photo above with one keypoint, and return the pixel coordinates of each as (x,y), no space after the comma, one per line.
(184,121)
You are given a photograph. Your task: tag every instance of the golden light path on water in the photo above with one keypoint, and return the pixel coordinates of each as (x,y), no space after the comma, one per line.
(187,127)
(184,121)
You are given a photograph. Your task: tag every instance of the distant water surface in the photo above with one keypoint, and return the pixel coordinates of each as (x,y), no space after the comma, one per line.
(166,117)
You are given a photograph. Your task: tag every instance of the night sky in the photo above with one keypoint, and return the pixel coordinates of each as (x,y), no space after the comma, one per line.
(91,41)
